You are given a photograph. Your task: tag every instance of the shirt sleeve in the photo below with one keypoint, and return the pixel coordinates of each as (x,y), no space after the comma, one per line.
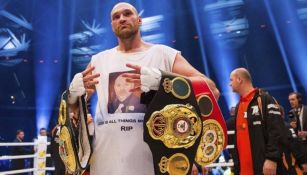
(273,129)
(169,54)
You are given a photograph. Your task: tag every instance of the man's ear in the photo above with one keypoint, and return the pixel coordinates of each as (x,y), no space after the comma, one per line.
(239,80)
(140,20)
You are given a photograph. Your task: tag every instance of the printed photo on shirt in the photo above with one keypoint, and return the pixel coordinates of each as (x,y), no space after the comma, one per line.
(121,100)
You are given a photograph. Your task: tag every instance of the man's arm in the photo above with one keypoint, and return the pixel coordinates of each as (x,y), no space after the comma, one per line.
(183,67)
(180,67)
(274,129)
(82,83)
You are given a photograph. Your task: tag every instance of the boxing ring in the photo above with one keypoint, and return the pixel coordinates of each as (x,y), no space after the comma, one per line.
(39,157)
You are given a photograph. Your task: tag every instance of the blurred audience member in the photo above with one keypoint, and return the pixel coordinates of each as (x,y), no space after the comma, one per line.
(18,164)
(298,121)
(44,132)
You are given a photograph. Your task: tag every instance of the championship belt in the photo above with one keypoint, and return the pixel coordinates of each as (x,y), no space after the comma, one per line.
(173,126)
(183,124)
(214,136)
(176,125)
(74,142)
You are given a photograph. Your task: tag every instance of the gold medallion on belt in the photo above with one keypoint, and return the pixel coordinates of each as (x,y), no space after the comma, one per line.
(66,151)
(177,164)
(211,143)
(176,125)
(178,86)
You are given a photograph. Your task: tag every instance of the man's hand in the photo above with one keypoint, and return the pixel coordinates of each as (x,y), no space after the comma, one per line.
(302,134)
(90,80)
(144,78)
(269,167)
(134,78)
(76,88)
(213,88)
(82,83)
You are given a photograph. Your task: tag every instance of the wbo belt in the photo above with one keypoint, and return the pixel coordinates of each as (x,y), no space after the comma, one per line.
(74,142)
(174,124)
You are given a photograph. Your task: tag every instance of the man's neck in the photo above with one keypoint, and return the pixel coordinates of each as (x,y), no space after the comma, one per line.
(246,90)
(133,44)
(299,107)
(18,139)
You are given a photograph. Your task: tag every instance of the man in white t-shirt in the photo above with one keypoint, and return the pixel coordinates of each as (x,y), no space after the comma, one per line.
(118,141)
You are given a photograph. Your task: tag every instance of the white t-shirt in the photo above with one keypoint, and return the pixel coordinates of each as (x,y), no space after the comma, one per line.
(119,148)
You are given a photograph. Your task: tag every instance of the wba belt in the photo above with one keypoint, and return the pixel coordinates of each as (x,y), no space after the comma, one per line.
(74,142)
(174,124)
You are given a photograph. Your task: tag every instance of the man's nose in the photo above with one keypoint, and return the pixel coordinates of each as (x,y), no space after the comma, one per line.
(122,18)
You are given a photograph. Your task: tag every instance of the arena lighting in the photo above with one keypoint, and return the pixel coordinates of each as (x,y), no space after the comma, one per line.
(10,45)
(228,30)
(290,39)
(42,120)
(226,62)
(228,23)
(13,39)
(150,29)
(87,43)
(49,46)
(21,21)
(200,41)
(302,11)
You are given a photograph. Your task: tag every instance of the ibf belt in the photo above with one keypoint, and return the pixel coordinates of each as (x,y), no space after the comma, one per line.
(173,126)
(74,144)
(214,136)
(176,125)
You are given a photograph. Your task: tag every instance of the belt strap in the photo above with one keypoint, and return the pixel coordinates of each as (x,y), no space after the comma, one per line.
(74,141)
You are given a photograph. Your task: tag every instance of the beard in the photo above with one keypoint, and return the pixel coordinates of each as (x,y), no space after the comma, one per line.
(126,33)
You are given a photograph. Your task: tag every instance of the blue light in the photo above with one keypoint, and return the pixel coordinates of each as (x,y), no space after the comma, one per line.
(42,121)
(280,43)
(228,29)
(48,46)
(200,41)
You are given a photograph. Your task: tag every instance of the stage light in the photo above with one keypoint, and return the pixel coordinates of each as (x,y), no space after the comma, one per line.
(228,30)
(291,39)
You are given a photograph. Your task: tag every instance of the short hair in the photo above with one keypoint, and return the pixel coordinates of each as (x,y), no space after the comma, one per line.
(19,131)
(299,97)
(125,3)
(244,73)
(42,129)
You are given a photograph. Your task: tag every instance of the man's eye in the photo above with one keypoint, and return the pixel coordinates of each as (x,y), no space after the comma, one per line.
(115,17)
(127,13)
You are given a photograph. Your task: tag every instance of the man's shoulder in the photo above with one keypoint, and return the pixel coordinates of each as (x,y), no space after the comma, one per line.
(104,52)
(161,46)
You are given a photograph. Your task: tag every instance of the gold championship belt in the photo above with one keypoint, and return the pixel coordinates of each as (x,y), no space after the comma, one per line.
(74,143)
(183,124)
(172,126)
(211,144)
(175,125)
(214,136)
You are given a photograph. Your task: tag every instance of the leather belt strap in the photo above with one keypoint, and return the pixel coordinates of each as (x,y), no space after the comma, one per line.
(74,141)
